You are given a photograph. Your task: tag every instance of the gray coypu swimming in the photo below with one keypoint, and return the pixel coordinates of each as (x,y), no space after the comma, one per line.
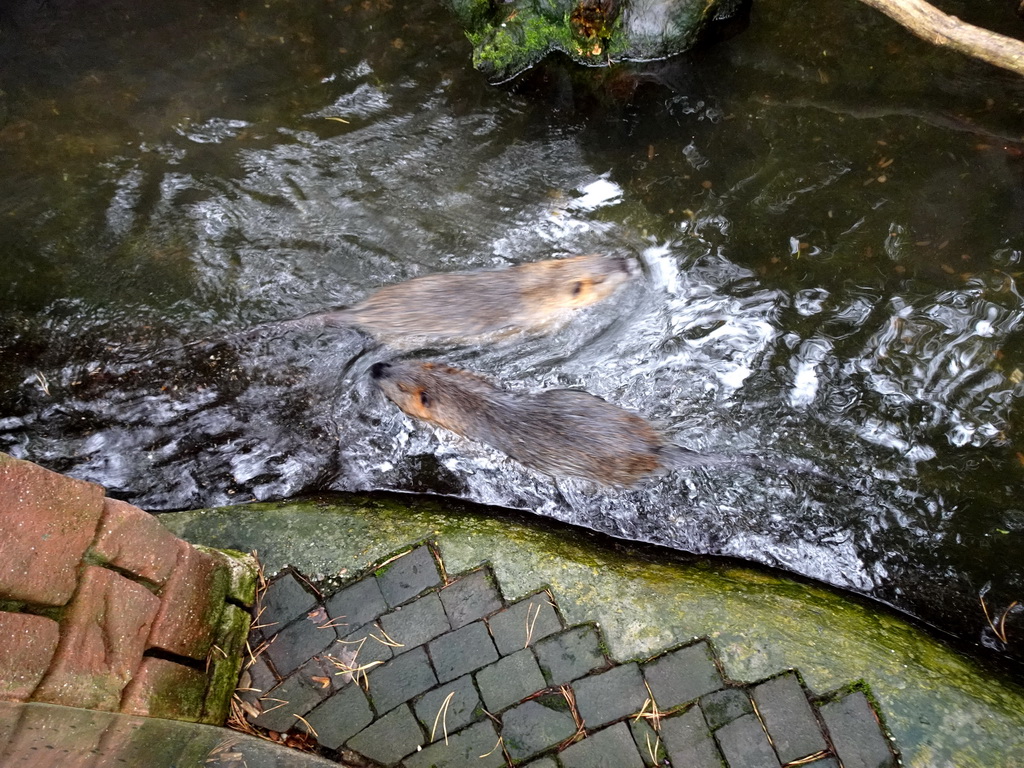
(484,305)
(558,432)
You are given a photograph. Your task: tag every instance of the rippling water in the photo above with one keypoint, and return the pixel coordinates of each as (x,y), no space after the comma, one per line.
(829,230)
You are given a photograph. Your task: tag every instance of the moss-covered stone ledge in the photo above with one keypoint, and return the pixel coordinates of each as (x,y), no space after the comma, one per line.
(102,608)
(942,708)
(510,37)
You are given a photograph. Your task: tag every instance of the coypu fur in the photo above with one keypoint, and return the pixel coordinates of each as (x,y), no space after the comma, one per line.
(468,307)
(483,304)
(558,432)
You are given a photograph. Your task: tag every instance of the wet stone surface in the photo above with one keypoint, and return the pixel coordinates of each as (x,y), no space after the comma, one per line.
(410,668)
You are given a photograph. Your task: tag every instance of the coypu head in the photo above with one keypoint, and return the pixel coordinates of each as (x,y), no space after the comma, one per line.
(440,394)
(559,285)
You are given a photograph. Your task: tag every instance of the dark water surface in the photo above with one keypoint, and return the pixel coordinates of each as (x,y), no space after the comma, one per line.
(828,216)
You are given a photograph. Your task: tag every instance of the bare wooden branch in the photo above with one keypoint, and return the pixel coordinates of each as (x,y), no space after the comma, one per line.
(929,23)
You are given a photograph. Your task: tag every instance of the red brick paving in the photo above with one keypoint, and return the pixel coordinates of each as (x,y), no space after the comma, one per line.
(191,604)
(135,543)
(162,688)
(103,636)
(46,523)
(27,644)
(116,584)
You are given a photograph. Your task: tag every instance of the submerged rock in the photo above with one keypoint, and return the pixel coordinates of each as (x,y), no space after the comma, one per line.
(510,37)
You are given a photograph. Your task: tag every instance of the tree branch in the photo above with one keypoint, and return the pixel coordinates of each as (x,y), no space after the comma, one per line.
(929,23)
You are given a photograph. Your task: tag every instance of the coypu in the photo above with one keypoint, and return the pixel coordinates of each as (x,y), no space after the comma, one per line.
(483,304)
(466,307)
(558,432)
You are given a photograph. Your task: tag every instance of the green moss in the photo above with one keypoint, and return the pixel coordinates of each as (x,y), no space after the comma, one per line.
(557,703)
(180,697)
(508,38)
(514,45)
(55,612)
(225,665)
(242,573)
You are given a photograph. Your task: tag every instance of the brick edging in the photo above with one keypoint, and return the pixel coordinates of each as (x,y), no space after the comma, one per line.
(101,607)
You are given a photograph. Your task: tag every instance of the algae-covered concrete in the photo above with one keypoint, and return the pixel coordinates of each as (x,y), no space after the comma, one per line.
(942,708)
(51,735)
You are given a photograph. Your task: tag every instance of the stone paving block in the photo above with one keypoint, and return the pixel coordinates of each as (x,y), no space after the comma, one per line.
(134,742)
(134,541)
(400,679)
(788,717)
(856,734)
(389,739)
(544,762)
(103,635)
(340,717)
(610,695)
(284,600)
(569,655)
(745,745)
(510,680)
(475,747)
(470,598)
(536,726)
(163,688)
(825,762)
(297,694)
(46,523)
(463,708)
(689,742)
(256,680)
(191,603)
(10,712)
(324,673)
(609,748)
(724,706)
(682,675)
(464,650)
(408,576)
(524,623)
(43,739)
(356,605)
(648,743)
(301,640)
(27,645)
(366,647)
(416,623)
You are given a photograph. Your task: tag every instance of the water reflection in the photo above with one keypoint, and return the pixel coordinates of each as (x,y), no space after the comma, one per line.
(826,283)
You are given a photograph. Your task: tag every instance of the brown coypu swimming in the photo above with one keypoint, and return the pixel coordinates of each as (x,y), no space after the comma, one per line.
(558,432)
(483,304)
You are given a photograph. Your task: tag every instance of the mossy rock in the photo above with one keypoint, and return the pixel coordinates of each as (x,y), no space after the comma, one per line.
(510,37)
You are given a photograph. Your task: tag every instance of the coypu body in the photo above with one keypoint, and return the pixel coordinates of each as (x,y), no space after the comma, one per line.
(482,305)
(558,432)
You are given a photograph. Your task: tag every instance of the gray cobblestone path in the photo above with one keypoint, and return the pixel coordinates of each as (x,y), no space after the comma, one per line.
(408,668)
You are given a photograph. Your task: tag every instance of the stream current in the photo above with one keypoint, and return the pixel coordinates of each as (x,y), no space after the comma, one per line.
(827,216)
